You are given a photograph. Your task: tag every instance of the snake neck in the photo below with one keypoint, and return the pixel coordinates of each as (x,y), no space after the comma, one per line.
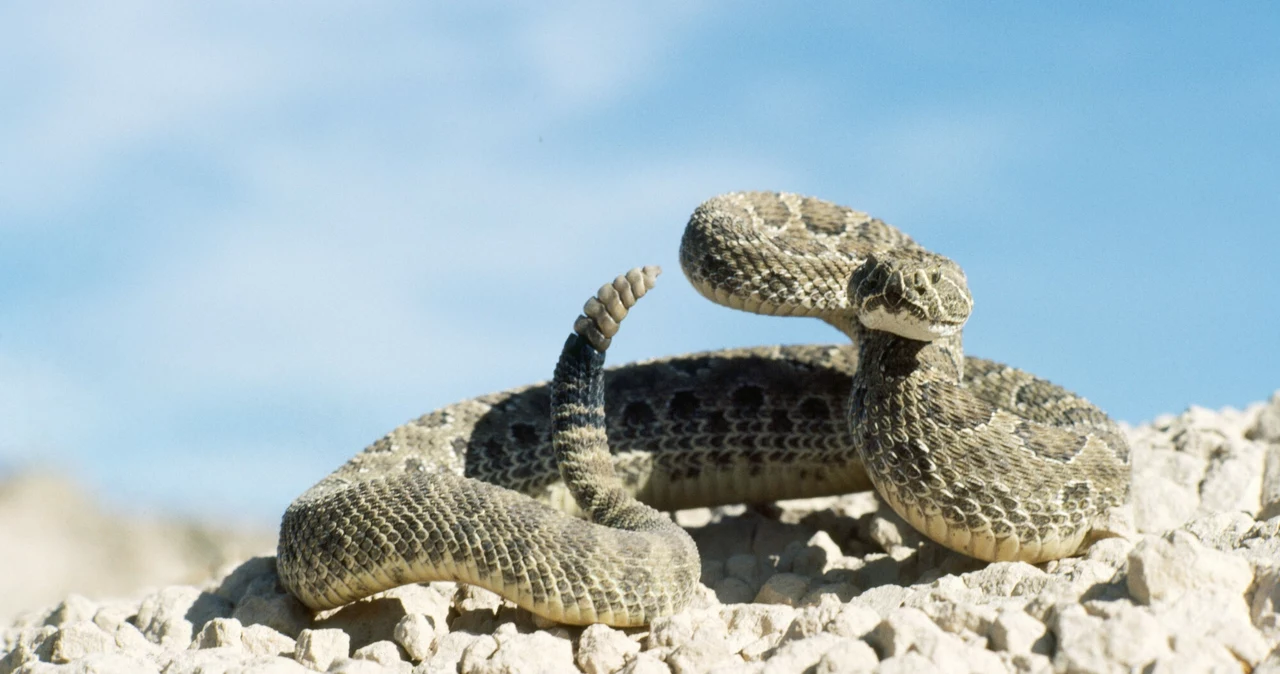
(885,359)
(896,373)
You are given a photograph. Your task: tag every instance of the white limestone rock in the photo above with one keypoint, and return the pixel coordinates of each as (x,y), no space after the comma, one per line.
(1128,641)
(220,633)
(385,653)
(537,653)
(418,634)
(1017,632)
(1162,569)
(318,649)
(78,640)
(603,649)
(168,617)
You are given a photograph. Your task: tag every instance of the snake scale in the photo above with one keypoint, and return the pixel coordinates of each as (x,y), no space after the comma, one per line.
(980,457)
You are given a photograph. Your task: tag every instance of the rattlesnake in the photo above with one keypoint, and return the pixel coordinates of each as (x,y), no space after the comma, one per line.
(982,458)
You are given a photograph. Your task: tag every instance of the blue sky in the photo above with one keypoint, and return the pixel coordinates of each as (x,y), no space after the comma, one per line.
(240,241)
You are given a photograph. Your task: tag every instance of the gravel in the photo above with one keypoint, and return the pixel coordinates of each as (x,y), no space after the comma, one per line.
(817,585)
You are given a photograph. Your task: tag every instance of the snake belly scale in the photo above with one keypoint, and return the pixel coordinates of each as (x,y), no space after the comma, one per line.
(540,493)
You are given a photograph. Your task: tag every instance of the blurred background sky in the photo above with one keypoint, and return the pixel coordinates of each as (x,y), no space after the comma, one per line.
(241,240)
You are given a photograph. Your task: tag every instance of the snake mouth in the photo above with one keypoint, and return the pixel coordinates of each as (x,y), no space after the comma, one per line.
(906,325)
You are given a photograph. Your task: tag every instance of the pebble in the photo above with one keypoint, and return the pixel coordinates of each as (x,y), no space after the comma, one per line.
(783,588)
(1130,640)
(168,617)
(536,653)
(80,639)
(385,653)
(1017,632)
(1163,568)
(603,649)
(318,649)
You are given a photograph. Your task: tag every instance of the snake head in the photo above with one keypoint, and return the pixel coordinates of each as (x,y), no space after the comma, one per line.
(911,293)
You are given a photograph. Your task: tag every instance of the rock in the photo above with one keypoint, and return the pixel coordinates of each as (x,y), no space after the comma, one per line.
(477,610)
(783,588)
(907,663)
(1166,487)
(206,661)
(1007,579)
(756,623)
(603,649)
(848,657)
(418,633)
(1269,491)
(1264,609)
(113,614)
(1220,531)
(909,630)
(1266,428)
(235,584)
(699,656)
(955,613)
(878,570)
(385,653)
(220,633)
(112,663)
(74,608)
(1196,655)
(375,618)
(536,653)
(130,640)
(318,649)
(167,617)
(360,666)
(1269,666)
(1127,642)
(734,591)
(687,626)
(646,663)
(31,644)
(1016,632)
(274,609)
(853,621)
(883,599)
(1027,663)
(887,530)
(1114,552)
(816,557)
(452,646)
(1199,593)
(80,639)
(810,620)
(1233,479)
(1161,569)
(475,654)
(1215,616)
(744,567)
(264,641)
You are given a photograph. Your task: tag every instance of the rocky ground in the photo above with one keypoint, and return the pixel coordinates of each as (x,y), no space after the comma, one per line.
(822,585)
(56,539)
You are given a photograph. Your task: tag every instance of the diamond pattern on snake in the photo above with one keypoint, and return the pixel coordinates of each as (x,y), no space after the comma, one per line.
(552,494)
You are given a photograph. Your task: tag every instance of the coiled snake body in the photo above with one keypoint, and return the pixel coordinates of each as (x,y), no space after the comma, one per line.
(982,458)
